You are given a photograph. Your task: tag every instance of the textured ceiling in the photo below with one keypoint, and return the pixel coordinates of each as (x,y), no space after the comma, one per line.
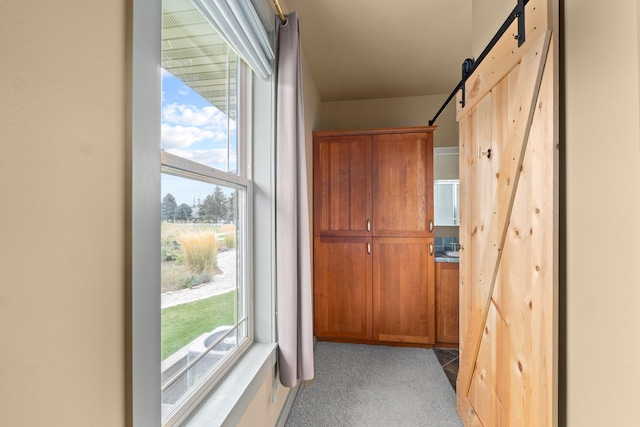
(364,49)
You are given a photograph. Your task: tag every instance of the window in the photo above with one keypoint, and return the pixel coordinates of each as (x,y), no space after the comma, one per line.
(205,208)
(211,103)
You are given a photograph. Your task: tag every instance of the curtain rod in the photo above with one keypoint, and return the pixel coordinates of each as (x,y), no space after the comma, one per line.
(469,65)
(283,19)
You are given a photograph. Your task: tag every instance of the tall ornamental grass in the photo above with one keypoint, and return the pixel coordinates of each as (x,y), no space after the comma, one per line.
(230,238)
(199,250)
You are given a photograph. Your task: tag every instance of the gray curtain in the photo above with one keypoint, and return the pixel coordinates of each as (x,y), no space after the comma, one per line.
(293,252)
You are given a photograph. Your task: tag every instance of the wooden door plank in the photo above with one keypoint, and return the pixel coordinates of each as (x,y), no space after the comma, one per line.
(529,250)
(530,75)
(517,285)
(478,203)
(500,326)
(474,196)
(480,389)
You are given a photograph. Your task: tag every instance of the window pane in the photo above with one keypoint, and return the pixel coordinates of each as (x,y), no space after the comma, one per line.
(203,297)
(199,89)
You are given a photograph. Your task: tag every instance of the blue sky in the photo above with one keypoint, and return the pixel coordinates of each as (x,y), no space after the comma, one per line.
(195,129)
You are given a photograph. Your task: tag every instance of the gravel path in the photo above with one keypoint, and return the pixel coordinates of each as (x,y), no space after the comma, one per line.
(221,283)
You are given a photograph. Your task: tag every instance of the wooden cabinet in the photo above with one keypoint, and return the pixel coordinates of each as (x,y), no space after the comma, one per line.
(342,287)
(373,236)
(447,317)
(403,185)
(403,292)
(342,185)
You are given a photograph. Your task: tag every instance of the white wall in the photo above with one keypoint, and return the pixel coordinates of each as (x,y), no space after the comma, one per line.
(602,161)
(263,411)
(486,18)
(62,192)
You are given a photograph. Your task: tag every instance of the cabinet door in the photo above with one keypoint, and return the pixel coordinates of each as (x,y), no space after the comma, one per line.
(342,287)
(447,302)
(403,184)
(403,291)
(342,185)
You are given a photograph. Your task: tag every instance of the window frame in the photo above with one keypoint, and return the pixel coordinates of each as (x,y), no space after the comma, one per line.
(226,401)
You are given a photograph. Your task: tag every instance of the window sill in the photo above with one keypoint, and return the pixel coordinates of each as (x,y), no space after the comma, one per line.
(228,401)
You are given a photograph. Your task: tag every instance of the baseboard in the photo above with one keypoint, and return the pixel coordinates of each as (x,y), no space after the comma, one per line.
(286,408)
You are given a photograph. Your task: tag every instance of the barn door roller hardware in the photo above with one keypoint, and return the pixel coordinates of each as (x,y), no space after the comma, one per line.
(469,66)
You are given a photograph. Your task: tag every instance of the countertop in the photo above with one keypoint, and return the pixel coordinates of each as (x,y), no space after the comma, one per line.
(441,257)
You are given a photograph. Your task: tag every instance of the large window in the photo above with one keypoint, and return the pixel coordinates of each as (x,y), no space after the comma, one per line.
(205,205)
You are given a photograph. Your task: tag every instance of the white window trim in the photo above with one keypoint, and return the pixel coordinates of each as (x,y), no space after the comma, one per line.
(233,394)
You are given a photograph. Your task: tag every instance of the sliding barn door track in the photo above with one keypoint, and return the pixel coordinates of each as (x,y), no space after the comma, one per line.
(469,65)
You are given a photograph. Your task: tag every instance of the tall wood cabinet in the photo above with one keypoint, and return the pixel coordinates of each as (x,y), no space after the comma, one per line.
(373,235)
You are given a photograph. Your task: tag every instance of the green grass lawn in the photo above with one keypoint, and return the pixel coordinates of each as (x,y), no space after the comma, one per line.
(183,323)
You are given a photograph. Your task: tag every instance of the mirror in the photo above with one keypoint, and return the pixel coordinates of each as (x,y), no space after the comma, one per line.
(446,202)
(446,197)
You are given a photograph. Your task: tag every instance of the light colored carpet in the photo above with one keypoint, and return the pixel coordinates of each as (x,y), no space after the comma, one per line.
(365,385)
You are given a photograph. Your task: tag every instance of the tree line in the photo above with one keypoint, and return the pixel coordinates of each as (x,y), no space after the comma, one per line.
(215,208)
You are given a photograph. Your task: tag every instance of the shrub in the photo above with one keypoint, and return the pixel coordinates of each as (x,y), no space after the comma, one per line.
(197,279)
(170,249)
(199,251)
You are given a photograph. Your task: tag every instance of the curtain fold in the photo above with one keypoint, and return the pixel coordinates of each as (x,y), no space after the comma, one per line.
(239,25)
(293,247)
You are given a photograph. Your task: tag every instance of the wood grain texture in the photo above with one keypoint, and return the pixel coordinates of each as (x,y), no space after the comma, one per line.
(521,115)
(342,185)
(342,287)
(402,180)
(508,289)
(447,317)
(353,261)
(403,291)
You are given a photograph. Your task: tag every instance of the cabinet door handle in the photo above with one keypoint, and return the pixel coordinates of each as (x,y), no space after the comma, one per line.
(368,225)
(369,248)
(430,249)
(430,226)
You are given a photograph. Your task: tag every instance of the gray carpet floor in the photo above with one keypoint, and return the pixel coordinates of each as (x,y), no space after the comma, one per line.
(363,385)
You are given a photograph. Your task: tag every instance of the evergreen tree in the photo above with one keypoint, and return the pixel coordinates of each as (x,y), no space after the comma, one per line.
(232,207)
(183,212)
(168,208)
(214,207)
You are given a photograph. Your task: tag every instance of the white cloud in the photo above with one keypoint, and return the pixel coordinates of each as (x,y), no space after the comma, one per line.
(190,115)
(182,137)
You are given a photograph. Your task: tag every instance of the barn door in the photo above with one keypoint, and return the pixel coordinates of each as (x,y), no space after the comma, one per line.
(508,232)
